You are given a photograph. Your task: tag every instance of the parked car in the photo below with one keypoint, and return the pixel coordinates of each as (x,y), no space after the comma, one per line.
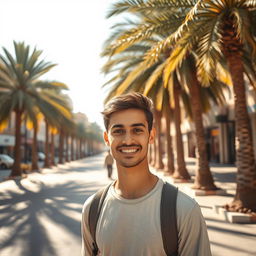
(6,161)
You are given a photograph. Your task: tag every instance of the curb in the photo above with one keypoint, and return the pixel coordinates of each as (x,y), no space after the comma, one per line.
(199,192)
(235,217)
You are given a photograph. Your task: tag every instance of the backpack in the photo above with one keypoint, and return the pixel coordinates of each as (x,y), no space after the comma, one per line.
(167,214)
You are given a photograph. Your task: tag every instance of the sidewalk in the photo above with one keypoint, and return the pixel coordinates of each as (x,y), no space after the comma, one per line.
(226,238)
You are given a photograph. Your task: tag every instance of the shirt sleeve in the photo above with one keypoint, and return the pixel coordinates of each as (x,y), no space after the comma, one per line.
(193,237)
(87,240)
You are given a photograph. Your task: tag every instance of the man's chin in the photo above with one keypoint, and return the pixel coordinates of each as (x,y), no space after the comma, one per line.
(128,165)
(131,165)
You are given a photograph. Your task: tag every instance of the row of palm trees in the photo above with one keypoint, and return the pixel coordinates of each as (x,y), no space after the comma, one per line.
(32,100)
(185,54)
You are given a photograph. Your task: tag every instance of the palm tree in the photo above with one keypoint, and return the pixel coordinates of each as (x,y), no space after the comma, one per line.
(53,132)
(65,128)
(168,114)
(17,77)
(47,146)
(221,32)
(32,122)
(181,172)
(58,109)
(144,30)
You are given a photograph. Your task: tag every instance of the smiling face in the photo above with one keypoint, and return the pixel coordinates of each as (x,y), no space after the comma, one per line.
(128,137)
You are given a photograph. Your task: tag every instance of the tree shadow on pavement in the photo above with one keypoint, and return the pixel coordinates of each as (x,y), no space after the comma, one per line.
(231,231)
(22,209)
(231,249)
(227,177)
(86,164)
(229,238)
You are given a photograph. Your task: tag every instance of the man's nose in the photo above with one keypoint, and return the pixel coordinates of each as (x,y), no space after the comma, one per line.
(128,138)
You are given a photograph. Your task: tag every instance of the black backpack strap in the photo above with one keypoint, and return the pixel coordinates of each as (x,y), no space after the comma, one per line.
(169,219)
(94,214)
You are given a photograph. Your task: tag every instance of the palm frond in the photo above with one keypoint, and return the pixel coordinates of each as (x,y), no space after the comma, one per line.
(170,87)
(6,106)
(250,70)
(243,27)
(175,59)
(186,104)
(154,77)
(135,6)
(39,69)
(131,77)
(159,98)
(52,85)
(222,73)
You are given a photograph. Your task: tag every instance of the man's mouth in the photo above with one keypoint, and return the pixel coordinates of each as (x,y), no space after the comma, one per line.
(129,150)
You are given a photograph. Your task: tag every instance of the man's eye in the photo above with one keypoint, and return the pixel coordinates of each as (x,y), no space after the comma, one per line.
(138,130)
(118,131)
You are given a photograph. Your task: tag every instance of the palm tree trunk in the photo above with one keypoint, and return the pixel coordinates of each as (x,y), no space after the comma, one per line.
(67,149)
(150,154)
(80,148)
(46,146)
(34,166)
(61,146)
(181,171)
(72,148)
(52,158)
(154,152)
(169,148)
(159,154)
(16,169)
(84,148)
(203,179)
(245,197)
(77,149)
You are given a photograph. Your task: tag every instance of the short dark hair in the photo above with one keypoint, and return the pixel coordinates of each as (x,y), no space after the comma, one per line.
(126,101)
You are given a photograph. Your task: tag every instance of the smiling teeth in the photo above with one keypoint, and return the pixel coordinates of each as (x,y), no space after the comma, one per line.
(129,150)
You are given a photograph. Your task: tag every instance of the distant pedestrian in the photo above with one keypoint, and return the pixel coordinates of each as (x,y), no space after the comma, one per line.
(109,164)
(128,221)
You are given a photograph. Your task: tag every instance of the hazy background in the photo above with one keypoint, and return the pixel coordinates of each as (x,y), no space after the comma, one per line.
(70,33)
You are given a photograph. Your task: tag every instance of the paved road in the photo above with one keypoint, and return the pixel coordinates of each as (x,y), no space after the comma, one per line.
(40,215)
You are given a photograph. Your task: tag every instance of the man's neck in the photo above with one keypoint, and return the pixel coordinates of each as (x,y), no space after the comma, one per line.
(134,182)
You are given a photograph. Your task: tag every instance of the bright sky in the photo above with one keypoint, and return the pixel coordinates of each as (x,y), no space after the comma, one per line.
(70,33)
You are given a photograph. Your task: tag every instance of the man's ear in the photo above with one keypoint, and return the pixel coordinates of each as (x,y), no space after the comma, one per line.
(105,136)
(152,136)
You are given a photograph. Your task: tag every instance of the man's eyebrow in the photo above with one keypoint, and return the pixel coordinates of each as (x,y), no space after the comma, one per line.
(138,124)
(117,126)
(133,125)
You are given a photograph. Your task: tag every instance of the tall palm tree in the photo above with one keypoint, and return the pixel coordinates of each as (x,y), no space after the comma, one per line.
(47,146)
(66,127)
(181,172)
(54,114)
(17,77)
(53,132)
(147,27)
(168,114)
(221,32)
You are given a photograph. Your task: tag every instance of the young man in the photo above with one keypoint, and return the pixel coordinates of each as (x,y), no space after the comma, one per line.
(129,221)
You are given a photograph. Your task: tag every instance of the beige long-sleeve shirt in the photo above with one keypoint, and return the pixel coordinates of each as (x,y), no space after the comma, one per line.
(131,227)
